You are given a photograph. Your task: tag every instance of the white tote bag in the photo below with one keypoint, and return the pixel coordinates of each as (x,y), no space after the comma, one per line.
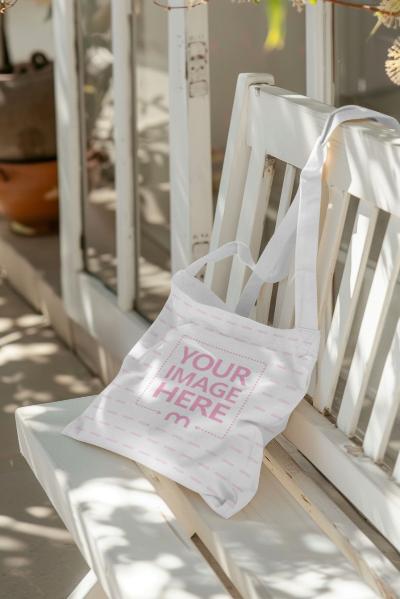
(206,388)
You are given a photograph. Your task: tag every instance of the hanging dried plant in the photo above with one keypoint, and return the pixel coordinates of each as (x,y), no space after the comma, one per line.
(299,5)
(392,64)
(390,15)
(387,13)
(6,4)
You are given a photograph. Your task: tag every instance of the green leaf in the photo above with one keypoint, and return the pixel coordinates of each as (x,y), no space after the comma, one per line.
(276,23)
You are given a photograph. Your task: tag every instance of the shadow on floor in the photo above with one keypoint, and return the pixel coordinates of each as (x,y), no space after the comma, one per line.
(38,558)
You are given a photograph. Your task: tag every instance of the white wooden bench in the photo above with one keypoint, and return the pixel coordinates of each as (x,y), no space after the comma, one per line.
(144,536)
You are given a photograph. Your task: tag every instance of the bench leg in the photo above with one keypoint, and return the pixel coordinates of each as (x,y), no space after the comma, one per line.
(88,588)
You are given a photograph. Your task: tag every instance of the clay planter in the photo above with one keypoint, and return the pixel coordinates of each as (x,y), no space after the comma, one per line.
(28,196)
(28,171)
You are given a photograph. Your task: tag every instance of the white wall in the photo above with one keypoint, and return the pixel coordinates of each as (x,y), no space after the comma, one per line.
(28,30)
(359,57)
(237,34)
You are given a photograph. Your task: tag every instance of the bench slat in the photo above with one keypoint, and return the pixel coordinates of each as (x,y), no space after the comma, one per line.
(342,461)
(386,404)
(380,295)
(338,202)
(264,300)
(349,291)
(129,535)
(284,306)
(233,177)
(356,148)
(264,550)
(252,214)
(368,560)
(124,529)
(396,470)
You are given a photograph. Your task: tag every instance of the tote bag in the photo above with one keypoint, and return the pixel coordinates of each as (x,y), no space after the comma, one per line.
(206,388)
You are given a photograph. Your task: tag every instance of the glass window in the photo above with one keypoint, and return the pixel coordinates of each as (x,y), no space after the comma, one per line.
(152,154)
(97,113)
(359,62)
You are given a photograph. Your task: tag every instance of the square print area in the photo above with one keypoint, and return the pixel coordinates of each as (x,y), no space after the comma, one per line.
(202,385)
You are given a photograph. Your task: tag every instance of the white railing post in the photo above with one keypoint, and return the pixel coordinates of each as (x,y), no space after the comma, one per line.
(68,152)
(124,132)
(319,52)
(190,137)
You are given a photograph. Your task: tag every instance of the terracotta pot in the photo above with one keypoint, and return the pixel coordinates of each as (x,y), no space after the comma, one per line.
(28,168)
(27,112)
(28,195)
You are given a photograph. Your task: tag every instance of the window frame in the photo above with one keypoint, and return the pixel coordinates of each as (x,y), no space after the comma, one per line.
(109,317)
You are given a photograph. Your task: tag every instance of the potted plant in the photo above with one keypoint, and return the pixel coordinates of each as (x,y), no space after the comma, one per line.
(28,167)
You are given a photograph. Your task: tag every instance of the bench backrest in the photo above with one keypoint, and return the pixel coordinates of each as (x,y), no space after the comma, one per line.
(357,382)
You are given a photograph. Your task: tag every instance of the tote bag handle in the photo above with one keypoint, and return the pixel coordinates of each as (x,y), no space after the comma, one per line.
(299,230)
(232,248)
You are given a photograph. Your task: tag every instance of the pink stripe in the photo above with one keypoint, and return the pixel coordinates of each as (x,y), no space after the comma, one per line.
(169,448)
(194,444)
(196,480)
(281,400)
(267,428)
(237,488)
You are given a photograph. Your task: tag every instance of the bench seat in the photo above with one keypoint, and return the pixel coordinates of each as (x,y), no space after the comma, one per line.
(118,513)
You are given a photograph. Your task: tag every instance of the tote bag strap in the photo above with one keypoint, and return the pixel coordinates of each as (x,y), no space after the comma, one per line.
(232,248)
(299,230)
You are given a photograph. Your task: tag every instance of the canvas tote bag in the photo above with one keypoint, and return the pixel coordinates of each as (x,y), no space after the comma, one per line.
(206,388)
